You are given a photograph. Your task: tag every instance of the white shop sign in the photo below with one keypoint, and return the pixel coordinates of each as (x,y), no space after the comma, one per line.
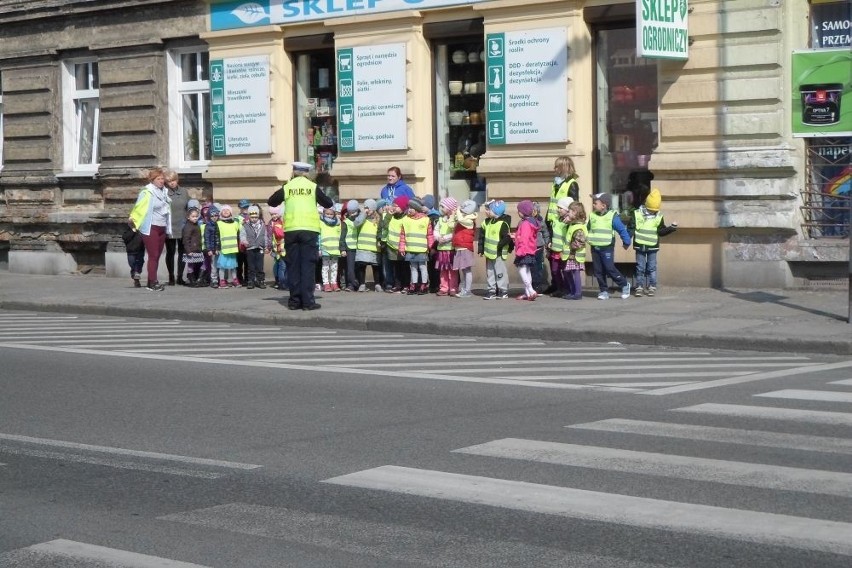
(240,105)
(662,30)
(372,109)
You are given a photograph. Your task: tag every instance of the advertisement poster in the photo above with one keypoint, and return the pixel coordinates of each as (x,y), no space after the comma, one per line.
(662,30)
(527,86)
(239,106)
(832,24)
(371,98)
(822,93)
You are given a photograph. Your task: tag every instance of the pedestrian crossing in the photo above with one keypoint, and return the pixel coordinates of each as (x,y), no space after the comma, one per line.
(532,364)
(763,522)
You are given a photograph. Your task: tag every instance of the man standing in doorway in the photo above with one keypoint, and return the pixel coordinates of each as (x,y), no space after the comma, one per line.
(301,196)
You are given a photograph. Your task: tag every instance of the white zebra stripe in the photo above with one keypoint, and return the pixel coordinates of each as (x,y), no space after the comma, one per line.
(771,413)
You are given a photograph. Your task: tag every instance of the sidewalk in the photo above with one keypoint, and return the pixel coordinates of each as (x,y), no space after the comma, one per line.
(766,320)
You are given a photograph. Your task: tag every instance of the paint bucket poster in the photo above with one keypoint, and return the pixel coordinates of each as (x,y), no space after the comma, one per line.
(822,93)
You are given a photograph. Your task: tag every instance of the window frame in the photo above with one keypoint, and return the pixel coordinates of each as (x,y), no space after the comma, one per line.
(1,120)
(177,88)
(71,117)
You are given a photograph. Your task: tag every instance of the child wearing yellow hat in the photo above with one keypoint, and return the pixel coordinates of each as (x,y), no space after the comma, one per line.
(648,227)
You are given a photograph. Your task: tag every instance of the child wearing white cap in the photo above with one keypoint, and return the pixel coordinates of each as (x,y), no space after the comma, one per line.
(463,258)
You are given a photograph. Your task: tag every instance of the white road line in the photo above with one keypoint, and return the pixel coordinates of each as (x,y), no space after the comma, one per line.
(771,413)
(314,368)
(666,465)
(125,452)
(124,332)
(99,343)
(66,550)
(637,375)
(844,382)
(164,338)
(701,520)
(721,435)
(646,385)
(801,394)
(812,368)
(636,358)
(603,366)
(404,544)
(300,350)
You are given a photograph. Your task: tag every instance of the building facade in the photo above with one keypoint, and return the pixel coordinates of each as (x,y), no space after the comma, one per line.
(468,98)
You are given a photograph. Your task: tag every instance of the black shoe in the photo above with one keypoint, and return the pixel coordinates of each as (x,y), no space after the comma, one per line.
(155,287)
(137,284)
(171,281)
(261,285)
(294,306)
(549,290)
(311,308)
(250,286)
(181,282)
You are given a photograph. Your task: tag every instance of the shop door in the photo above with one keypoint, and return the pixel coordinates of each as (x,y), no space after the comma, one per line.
(460,116)
(627,127)
(316,109)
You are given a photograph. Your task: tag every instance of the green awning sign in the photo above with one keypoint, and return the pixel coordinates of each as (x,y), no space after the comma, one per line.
(662,31)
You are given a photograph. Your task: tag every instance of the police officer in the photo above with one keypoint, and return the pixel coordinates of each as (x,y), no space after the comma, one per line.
(301,232)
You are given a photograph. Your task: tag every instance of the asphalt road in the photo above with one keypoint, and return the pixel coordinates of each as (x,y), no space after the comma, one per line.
(131,443)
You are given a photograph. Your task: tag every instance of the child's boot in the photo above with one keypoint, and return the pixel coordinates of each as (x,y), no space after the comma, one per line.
(639,291)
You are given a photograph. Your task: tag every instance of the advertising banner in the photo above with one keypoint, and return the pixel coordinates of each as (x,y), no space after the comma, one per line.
(371,98)
(228,14)
(239,106)
(527,86)
(822,93)
(662,30)
(832,24)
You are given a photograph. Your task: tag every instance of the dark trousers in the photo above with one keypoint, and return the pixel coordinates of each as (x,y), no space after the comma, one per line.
(136,260)
(556,279)
(302,250)
(361,273)
(352,280)
(154,242)
(254,262)
(604,264)
(434,273)
(242,267)
(175,246)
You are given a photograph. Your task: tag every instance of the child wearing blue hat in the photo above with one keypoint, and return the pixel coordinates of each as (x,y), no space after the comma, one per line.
(495,243)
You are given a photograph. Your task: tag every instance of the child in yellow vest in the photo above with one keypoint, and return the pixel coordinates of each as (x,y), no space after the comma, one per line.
(415,243)
(495,244)
(329,249)
(228,239)
(648,226)
(573,218)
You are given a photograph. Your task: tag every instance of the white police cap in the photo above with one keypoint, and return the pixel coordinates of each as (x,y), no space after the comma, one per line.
(301,167)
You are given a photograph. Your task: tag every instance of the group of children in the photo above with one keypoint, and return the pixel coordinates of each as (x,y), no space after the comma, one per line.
(414,248)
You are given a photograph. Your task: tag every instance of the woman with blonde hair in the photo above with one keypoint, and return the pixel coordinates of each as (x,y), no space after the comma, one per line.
(151,216)
(564,185)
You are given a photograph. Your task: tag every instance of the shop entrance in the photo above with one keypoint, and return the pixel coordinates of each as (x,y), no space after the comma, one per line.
(316,111)
(627,127)
(459,109)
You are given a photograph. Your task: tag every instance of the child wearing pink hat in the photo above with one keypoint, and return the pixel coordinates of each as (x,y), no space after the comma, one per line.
(449,279)
(525,247)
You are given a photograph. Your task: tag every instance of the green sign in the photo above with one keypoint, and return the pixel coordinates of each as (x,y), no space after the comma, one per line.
(662,31)
(822,93)
(495,60)
(217,106)
(346,100)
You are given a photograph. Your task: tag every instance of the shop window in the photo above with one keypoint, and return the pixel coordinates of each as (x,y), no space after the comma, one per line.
(627,127)
(316,102)
(189,108)
(460,116)
(82,115)
(1,121)
(826,198)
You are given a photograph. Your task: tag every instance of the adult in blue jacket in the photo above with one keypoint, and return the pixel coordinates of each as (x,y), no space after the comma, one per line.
(395,186)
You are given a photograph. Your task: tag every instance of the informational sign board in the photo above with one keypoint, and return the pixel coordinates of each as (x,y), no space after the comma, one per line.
(240,105)
(661,29)
(371,98)
(527,86)
(822,93)
(832,24)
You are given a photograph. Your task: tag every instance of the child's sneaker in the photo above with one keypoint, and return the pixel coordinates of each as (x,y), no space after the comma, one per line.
(362,288)
(335,288)
(223,283)
(489,296)
(327,288)
(638,292)
(603,295)
(502,295)
(379,288)
(464,294)
(235,283)
(625,291)
(650,291)
(424,289)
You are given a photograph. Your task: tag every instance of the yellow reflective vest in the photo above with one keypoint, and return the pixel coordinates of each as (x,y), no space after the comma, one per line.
(351,239)
(416,232)
(368,236)
(445,229)
(329,239)
(646,229)
(557,236)
(394,231)
(579,254)
(601,233)
(229,234)
(492,239)
(300,202)
(558,193)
